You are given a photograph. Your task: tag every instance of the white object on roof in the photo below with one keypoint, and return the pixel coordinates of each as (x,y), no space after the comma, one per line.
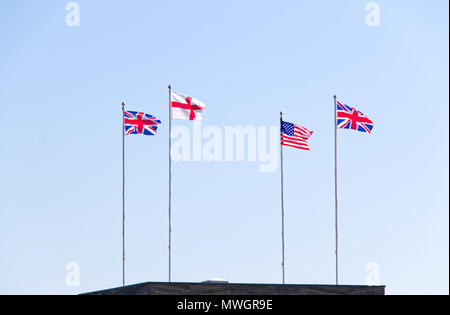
(216,280)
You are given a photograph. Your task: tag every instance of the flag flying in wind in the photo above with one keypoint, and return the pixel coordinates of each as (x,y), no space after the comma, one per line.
(140,123)
(350,118)
(294,135)
(186,107)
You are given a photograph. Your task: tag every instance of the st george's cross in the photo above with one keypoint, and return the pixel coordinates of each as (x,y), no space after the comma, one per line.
(186,107)
(140,123)
(349,118)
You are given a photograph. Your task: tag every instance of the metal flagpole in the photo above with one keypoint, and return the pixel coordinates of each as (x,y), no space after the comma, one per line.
(336,189)
(282,199)
(123,193)
(170,181)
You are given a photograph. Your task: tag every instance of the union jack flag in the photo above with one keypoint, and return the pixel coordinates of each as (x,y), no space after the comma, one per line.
(350,118)
(140,123)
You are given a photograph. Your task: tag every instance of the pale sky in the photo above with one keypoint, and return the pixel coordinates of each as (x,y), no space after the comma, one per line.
(61,169)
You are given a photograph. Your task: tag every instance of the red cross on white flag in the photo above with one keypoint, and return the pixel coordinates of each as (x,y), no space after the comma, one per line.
(186,107)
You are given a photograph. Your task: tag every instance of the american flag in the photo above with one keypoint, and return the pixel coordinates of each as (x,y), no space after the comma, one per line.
(140,123)
(294,135)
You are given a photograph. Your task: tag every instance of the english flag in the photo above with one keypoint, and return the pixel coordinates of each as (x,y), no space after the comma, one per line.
(186,107)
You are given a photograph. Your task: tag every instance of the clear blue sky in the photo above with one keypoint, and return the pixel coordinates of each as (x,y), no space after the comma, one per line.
(60,126)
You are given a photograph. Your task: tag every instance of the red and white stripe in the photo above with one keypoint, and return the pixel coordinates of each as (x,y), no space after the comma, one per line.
(299,140)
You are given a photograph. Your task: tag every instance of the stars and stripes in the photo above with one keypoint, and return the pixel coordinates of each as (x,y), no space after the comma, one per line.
(186,107)
(294,135)
(140,123)
(350,118)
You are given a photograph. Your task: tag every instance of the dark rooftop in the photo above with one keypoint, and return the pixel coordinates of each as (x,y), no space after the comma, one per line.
(177,288)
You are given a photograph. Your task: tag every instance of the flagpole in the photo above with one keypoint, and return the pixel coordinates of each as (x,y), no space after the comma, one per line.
(336,189)
(170,183)
(123,194)
(282,200)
